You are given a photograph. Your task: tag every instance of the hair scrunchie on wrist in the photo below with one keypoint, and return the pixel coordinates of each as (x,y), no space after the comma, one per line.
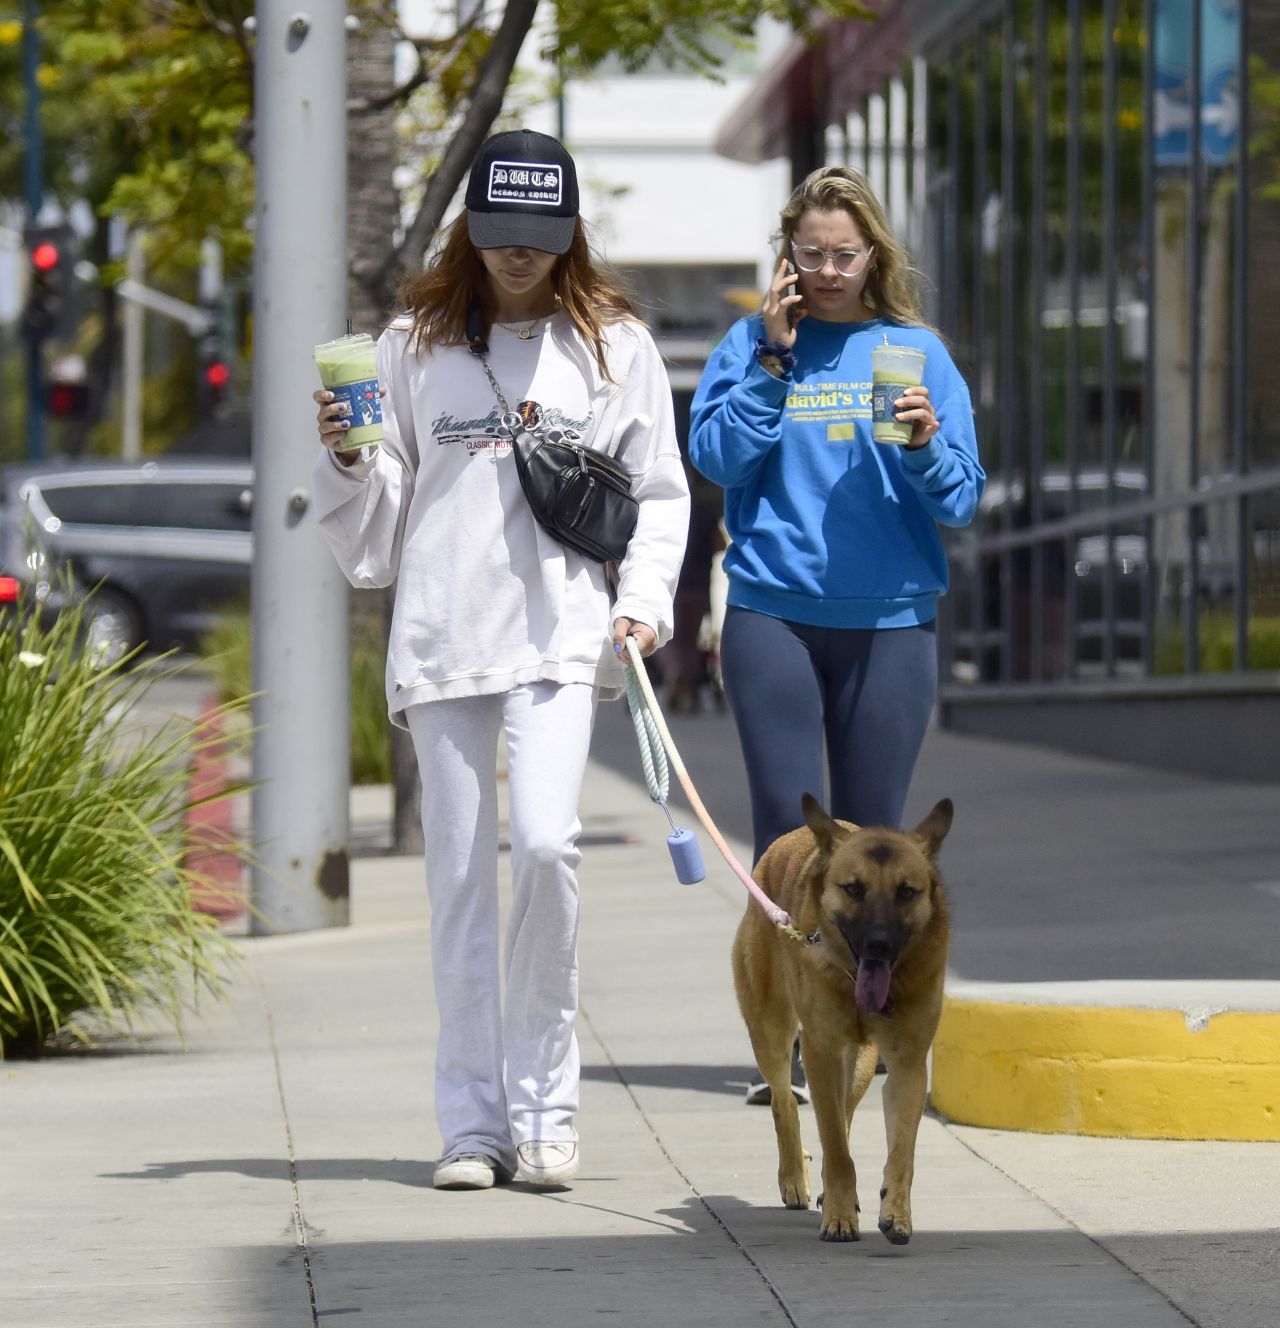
(775,355)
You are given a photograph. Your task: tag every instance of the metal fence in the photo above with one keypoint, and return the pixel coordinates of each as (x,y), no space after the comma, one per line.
(1093,187)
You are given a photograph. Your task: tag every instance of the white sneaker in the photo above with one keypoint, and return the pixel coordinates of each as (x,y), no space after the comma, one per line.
(547,1162)
(466,1171)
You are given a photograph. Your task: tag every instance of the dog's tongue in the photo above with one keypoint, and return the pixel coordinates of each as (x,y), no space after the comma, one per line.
(871,989)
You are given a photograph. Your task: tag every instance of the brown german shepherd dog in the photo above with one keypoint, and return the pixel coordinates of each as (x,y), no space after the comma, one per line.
(868,980)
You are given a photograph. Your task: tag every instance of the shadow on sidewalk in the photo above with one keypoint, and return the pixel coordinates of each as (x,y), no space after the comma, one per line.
(721,1079)
(413,1172)
(720,1263)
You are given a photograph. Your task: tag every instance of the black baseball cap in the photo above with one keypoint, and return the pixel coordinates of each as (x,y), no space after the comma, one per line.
(523,192)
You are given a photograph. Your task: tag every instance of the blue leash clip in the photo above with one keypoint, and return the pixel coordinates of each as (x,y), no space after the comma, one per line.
(686,856)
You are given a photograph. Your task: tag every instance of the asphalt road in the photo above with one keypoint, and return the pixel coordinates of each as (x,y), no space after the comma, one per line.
(1058,867)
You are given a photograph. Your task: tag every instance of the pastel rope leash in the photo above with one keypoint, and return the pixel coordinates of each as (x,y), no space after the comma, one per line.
(685,854)
(655,738)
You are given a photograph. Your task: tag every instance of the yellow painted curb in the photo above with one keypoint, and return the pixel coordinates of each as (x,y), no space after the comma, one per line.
(1112,1071)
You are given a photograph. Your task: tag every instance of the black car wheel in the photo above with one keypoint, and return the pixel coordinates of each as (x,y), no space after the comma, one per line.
(112,625)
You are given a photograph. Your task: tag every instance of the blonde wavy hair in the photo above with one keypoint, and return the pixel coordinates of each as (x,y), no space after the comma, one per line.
(439,298)
(892,286)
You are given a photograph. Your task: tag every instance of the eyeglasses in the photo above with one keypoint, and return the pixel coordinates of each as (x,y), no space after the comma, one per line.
(848,262)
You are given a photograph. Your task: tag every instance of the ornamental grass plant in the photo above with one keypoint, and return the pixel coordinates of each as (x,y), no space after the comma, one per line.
(96,913)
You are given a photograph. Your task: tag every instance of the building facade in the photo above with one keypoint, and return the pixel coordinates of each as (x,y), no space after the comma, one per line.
(1092,191)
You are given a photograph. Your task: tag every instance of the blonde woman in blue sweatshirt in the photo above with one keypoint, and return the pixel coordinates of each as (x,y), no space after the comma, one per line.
(835,562)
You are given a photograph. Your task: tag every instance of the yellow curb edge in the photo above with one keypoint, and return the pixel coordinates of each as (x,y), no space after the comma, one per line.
(1109,1071)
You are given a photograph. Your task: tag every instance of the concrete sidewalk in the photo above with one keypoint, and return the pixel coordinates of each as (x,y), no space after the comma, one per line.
(278,1172)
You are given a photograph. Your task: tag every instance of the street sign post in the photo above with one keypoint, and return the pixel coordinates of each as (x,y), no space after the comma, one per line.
(1218,77)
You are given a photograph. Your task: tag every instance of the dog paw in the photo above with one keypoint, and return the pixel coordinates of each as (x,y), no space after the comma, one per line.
(795,1196)
(896,1230)
(839,1227)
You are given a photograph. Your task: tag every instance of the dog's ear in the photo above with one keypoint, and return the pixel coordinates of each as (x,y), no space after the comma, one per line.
(933,829)
(825,829)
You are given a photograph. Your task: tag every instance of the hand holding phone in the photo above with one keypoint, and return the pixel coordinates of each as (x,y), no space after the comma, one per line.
(782,308)
(793,310)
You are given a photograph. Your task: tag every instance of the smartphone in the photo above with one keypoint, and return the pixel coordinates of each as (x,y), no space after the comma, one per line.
(792,309)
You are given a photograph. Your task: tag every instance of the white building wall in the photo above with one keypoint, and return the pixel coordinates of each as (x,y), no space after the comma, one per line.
(651,182)
(652,187)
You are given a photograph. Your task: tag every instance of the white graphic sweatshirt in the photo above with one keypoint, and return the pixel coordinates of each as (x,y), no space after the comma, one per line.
(486,599)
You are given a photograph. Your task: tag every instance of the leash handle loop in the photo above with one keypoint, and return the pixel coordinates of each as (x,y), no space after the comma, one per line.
(652,755)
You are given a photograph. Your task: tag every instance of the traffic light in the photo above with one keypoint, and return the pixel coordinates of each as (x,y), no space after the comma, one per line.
(50,280)
(68,401)
(215,381)
(213,358)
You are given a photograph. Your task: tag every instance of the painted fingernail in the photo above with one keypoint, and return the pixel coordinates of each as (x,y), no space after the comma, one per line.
(617,648)
(344,424)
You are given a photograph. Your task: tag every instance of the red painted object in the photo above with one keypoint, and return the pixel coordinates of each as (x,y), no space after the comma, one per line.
(210,833)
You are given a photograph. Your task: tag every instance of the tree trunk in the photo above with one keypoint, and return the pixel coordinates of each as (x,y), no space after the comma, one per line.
(373,209)
(482,110)
(373,204)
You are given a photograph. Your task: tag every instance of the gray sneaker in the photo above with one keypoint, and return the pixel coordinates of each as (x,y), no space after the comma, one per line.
(468,1171)
(547,1162)
(759,1094)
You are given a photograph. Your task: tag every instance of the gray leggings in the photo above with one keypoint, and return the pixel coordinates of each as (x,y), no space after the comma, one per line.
(868,692)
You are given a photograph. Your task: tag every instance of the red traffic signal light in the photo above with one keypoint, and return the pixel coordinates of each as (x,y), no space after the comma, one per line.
(68,400)
(49,309)
(217,375)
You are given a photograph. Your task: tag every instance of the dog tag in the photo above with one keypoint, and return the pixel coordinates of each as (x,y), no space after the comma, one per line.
(687,857)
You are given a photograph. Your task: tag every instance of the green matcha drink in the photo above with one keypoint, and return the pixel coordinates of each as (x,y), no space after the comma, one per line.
(893,368)
(349,369)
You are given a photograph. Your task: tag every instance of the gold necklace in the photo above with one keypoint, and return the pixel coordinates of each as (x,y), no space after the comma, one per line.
(525,332)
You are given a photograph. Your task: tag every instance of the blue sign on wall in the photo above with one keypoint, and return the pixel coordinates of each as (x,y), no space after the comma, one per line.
(1219,81)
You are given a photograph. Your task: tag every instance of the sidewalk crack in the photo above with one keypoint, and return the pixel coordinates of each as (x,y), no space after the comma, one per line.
(1058,1213)
(299,1222)
(675,1166)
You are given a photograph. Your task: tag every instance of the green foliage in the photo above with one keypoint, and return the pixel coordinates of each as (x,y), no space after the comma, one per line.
(163,96)
(228,652)
(685,35)
(1264,115)
(95,899)
(1218,645)
(148,108)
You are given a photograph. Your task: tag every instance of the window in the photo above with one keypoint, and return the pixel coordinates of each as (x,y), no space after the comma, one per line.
(184,506)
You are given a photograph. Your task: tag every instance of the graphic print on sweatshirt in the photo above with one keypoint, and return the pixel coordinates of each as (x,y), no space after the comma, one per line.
(489,435)
(838,405)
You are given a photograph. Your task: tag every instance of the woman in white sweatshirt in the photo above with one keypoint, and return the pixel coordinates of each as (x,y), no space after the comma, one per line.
(498,628)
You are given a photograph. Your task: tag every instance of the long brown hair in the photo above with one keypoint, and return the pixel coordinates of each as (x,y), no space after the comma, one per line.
(439,298)
(892,286)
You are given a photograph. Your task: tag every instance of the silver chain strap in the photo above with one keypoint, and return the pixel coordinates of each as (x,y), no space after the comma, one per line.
(510,419)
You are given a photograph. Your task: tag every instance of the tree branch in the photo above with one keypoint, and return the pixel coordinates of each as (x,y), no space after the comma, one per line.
(483,109)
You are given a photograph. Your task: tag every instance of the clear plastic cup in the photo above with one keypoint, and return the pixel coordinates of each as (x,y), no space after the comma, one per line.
(893,368)
(349,369)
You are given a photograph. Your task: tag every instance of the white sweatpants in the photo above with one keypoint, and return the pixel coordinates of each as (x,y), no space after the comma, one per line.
(506,1069)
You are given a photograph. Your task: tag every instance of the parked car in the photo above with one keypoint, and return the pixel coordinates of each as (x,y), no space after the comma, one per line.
(163,544)
(1076,564)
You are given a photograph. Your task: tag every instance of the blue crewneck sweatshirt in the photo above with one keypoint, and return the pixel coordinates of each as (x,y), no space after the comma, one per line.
(826,526)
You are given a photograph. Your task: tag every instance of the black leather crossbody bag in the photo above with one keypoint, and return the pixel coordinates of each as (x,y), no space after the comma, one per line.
(577,494)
